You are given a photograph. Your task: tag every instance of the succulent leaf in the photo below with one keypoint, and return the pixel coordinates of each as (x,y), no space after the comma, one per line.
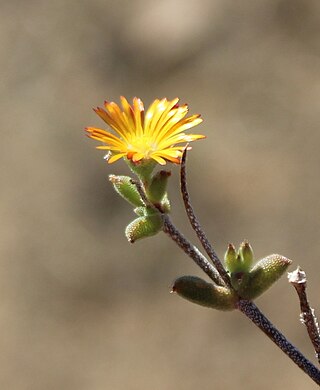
(199,291)
(124,187)
(143,227)
(158,186)
(262,276)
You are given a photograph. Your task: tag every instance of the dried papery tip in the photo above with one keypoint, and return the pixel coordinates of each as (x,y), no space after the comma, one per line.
(113,179)
(297,276)
(231,247)
(107,156)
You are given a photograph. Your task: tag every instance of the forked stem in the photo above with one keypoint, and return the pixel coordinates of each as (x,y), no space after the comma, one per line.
(248,308)
(218,275)
(191,250)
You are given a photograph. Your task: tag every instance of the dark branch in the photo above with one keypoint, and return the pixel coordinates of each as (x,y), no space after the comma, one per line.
(299,281)
(196,225)
(182,242)
(191,250)
(255,315)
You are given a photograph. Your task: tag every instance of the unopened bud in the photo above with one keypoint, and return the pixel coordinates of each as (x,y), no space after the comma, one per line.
(246,255)
(231,258)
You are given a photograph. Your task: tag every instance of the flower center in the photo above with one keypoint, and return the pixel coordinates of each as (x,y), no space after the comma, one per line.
(143,145)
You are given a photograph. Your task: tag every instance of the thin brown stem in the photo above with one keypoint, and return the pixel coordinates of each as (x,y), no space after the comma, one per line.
(142,193)
(190,250)
(218,275)
(307,316)
(251,311)
(196,225)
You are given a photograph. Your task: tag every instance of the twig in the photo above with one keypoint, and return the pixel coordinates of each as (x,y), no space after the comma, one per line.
(191,250)
(299,281)
(255,315)
(196,225)
(142,193)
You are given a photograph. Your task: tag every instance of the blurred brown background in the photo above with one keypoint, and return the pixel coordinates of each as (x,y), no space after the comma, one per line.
(82,309)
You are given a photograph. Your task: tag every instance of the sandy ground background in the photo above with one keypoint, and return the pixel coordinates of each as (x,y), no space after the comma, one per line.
(82,309)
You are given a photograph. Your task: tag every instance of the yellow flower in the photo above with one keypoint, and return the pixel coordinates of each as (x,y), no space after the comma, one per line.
(143,136)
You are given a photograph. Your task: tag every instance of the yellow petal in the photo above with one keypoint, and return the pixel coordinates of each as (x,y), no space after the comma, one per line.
(115,157)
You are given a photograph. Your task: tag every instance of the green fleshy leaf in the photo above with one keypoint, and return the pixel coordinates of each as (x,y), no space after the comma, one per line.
(140,211)
(202,293)
(165,204)
(262,276)
(239,280)
(145,226)
(157,187)
(124,187)
(146,211)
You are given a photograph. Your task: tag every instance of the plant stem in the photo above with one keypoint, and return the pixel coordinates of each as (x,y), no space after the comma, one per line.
(261,321)
(248,308)
(191,250)
(196,225)
(298,279)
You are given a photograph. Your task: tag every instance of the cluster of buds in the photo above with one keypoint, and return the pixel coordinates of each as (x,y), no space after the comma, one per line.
(149,210)
(248,280)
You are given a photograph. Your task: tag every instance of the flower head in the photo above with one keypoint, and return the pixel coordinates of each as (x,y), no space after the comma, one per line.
(143,136)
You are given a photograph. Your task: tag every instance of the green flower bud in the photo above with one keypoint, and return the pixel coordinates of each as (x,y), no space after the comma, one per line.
(239,262)
(232,260)
(142,227)
(246,255)
(267,271)
(125,188)
(199,291)
(158,186)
